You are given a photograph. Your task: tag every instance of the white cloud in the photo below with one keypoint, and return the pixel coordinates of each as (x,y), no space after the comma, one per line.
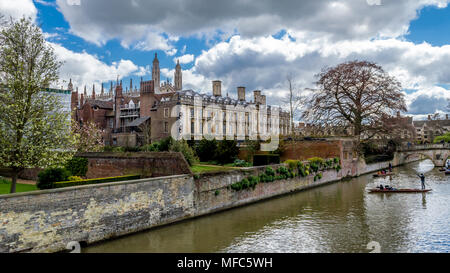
(264,62)
(185,59)
(18,8)
(86,69)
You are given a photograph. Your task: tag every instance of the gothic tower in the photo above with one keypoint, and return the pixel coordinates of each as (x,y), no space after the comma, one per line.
(178,77)
(155,73)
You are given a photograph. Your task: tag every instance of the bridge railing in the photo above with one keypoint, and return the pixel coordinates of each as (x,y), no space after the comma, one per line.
(424,146)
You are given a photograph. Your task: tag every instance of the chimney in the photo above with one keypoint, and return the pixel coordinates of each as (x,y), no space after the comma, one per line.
(241,93)
(398,114)
(446,116)
(217,88)
(263,99)
(429,117)
(257,96)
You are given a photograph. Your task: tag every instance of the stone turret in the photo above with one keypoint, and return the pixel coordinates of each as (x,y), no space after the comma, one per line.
(178,77)
(156,73)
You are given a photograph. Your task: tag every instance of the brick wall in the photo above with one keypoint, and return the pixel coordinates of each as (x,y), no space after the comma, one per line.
(46,221)
(302,150)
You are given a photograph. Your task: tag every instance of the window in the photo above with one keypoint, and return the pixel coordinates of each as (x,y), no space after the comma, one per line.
(192,112)
(166,112)
(166,127)
(192,127)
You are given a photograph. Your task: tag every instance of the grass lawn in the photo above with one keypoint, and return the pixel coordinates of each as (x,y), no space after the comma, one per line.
(5,186)
(200,168)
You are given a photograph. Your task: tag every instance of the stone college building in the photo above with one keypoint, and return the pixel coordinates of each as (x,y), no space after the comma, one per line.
(156,110)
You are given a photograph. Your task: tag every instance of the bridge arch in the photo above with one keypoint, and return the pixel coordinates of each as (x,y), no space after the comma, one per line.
(438,153)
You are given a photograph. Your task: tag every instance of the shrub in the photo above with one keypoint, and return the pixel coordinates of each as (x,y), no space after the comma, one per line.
(262,160)
(217,192)
(77,166)
(183,147)
(206,150)
(63,183)
(293,164)
(253,181)
(165,144)
(270,171)
(132,149)
(48,177)
(318,161)
(154,147)
(314,167)
(227,151)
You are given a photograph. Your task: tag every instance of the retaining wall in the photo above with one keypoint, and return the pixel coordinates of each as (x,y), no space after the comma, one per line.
(45,221)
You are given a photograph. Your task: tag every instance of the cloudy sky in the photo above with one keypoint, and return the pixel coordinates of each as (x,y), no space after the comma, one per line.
(252,43)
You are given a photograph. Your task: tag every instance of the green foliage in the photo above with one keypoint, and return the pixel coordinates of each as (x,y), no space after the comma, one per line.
(443,138)
(206,150)
(293,164)
(48,177)
(131,149)
(77,166)
(154,147)
(317,161)
(269,171)
(74,178)
(217,192)
(186,150)
(227,151)
(241,163)
(63,183)
(165,144)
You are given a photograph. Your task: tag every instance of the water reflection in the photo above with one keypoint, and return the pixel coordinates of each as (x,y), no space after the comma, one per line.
(340,217)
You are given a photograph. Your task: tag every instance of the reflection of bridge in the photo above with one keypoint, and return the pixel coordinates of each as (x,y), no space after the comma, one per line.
(438,153)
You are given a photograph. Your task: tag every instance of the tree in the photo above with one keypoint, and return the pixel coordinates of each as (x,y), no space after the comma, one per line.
(89,137)
(294,99)
(356,95)
(34,129)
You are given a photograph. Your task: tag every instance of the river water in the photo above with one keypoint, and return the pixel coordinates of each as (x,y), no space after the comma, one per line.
(340,217)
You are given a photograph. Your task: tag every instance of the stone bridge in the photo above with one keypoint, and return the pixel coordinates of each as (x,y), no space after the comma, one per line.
(438,153)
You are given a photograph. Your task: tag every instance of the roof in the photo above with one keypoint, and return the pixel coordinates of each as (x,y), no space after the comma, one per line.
(137,122)
(421,123)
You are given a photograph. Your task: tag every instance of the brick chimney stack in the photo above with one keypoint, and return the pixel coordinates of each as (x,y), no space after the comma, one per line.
(241,93)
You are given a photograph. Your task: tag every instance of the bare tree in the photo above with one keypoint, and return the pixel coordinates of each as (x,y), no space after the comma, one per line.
(358,94)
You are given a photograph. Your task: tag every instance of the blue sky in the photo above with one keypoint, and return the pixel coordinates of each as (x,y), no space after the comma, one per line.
(254,44)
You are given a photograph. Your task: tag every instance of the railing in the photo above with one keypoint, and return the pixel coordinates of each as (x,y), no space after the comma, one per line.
(412,147)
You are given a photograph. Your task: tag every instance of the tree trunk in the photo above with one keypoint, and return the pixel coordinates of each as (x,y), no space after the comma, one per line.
(15,174)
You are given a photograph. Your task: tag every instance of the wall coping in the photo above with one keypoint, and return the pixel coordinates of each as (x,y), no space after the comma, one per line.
(65,189)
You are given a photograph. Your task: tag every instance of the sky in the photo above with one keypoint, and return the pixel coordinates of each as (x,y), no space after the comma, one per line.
(251,43)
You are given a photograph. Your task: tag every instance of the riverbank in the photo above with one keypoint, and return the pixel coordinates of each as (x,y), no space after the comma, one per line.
(46,221)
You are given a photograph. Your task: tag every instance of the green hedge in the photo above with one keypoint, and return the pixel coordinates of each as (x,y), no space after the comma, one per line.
(77,166)
(262,160)
(63,184)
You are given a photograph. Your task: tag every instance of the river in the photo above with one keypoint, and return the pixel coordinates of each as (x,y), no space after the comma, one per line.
(339,217)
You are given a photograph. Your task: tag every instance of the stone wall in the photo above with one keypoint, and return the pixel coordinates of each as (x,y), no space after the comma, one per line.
(46,221)
(302,150)
(148,164)
(213,192)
